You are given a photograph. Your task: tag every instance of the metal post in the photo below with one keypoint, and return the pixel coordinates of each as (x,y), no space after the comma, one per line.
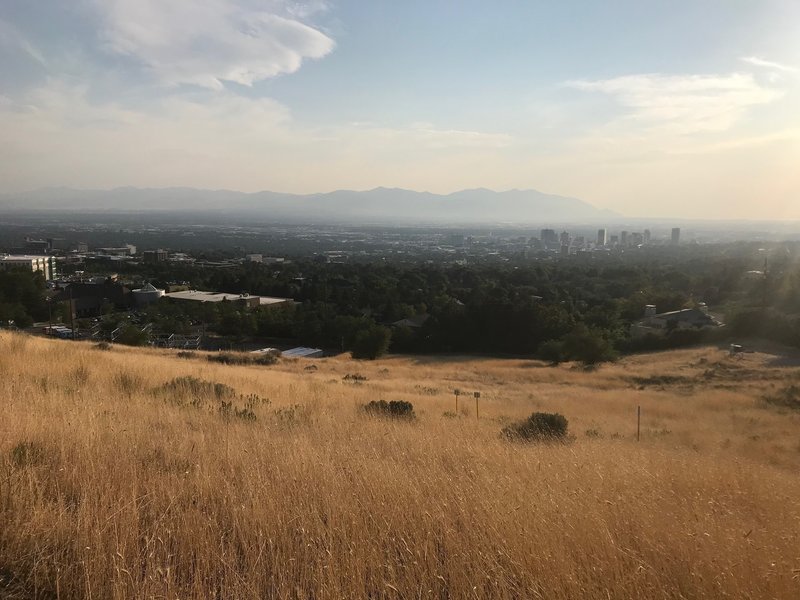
(456,392)
(477,397)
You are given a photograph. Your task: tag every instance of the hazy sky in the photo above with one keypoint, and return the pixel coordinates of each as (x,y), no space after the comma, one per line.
(684,108)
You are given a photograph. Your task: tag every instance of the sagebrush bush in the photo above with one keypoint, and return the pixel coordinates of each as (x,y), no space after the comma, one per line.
(27,454)
(234,358)
(354,377)
(538,427)
(396,409)
(195,390)
(788,397)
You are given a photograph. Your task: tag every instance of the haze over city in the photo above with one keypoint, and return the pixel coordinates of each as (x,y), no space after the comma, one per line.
(680,109)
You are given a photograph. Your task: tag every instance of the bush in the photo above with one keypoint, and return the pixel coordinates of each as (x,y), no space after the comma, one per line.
(195,390)
(27,454)
(236,358)
(396,409)
(788,397)
(538,427)
(355,377)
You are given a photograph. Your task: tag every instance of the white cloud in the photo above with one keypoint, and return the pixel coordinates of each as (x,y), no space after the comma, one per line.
(207,43)
(684,104)
(768,64)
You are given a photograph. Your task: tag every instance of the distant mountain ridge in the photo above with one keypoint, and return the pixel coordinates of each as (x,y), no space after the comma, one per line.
(376,205)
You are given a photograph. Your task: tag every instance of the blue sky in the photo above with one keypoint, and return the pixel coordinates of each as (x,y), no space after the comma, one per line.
(658,108)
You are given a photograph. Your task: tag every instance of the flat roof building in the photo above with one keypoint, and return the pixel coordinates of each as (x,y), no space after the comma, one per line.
(44,264)
(245,299)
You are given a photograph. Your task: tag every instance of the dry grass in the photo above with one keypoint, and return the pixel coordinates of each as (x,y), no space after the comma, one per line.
(116,484)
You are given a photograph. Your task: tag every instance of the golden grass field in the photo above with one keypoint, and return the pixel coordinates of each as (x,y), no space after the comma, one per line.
(114,486)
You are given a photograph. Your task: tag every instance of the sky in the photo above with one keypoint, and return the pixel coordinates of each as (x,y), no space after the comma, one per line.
(663,108)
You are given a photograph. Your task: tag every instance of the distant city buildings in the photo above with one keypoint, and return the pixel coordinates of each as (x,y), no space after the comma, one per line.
(549,238)
(155,256)
(564,244)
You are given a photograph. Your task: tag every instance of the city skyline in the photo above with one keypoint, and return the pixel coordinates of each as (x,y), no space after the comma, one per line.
(680,111)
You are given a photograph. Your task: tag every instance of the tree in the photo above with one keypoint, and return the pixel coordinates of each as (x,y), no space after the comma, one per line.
(587,346)
(132,336)
(372,343)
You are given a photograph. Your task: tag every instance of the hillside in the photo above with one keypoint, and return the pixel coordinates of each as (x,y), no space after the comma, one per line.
(116,481)
(348,206)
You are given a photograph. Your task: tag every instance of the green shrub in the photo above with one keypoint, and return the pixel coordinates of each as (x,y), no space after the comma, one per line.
(538,427)
(396,409)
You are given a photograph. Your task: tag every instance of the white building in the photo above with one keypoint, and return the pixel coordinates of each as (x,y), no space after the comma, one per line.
(44,264)
(147,294)
(687,318)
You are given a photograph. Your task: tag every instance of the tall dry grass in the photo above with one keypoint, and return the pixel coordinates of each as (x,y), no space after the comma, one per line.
(113,485)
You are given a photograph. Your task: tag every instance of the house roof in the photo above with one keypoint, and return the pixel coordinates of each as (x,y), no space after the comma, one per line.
(688,315)
(300,352)
(414,322)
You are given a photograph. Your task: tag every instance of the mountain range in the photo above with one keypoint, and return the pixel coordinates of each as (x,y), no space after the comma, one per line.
(377,205)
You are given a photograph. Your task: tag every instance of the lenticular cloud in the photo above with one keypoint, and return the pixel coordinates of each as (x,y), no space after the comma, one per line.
(206,43)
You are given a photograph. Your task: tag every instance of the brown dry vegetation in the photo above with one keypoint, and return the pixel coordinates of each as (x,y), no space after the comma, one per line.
(115,485)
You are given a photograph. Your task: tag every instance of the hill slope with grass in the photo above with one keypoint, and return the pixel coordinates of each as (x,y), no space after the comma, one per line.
(137,473)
